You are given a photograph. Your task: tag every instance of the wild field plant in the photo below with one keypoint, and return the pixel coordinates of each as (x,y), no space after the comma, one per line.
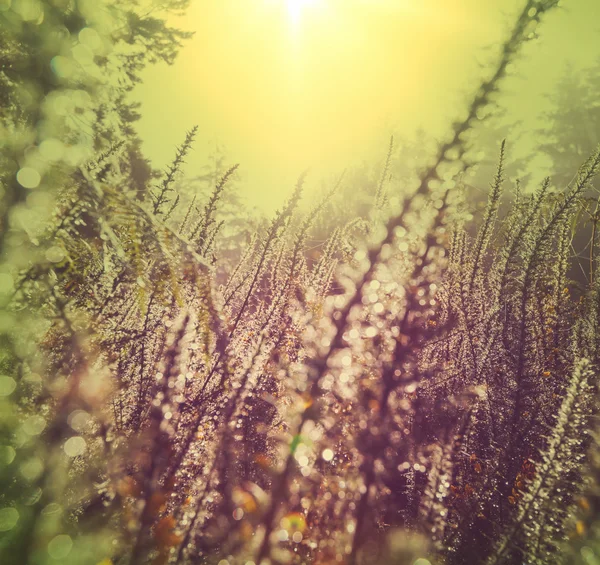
(418,390)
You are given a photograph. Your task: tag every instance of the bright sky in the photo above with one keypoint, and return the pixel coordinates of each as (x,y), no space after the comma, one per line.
(286,85)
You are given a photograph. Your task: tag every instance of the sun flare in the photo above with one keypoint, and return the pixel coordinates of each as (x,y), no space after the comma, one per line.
(296,7)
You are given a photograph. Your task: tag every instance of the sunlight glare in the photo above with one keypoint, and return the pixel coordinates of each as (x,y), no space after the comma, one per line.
(295,8)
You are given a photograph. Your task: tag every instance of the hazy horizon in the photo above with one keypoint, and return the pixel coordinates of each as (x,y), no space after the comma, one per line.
(283,90)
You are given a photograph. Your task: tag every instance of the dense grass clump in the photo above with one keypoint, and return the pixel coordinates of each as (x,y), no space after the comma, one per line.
(418,387)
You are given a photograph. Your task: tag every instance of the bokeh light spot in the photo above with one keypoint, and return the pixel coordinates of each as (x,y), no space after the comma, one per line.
(61,66)
(28,177)
(60,546)
(7,385)
(34,425)
(7,455)
(55,254)
(75,446)
(32,469)
(8,518)
(52,149)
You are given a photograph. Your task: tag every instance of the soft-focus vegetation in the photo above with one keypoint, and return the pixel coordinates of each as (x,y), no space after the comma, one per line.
(385,374)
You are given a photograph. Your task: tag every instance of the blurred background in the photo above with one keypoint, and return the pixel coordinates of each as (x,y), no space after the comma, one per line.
(285,85)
